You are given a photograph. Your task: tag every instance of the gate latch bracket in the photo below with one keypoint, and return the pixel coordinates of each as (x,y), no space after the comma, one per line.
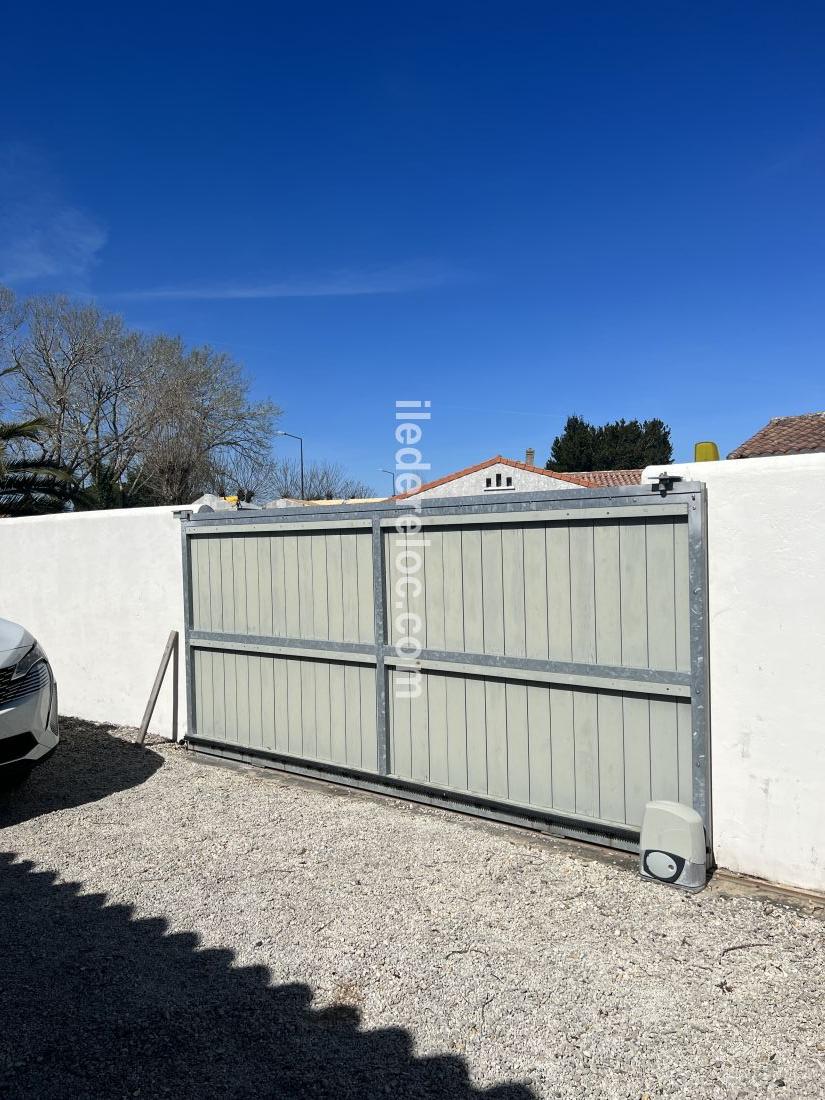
(664,483)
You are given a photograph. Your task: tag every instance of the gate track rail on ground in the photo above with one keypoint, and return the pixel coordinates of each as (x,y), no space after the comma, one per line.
(564,673)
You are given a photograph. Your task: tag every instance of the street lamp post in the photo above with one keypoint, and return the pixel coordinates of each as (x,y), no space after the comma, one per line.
(301,442)
(392,475)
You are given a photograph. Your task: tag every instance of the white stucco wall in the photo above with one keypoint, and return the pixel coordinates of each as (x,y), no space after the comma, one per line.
(766,567)
(524,481)
(100,591)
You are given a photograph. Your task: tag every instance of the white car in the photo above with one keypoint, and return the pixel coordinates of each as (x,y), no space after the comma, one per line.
(28,703)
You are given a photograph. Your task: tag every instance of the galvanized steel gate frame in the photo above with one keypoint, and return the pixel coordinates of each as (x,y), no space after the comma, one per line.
(655,499)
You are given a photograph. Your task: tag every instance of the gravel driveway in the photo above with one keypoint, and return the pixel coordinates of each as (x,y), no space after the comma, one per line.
(175,929)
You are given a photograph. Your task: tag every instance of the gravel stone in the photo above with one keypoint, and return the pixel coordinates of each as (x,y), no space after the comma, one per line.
(172,928)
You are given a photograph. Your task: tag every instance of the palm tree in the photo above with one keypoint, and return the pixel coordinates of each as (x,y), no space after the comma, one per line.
(31,487)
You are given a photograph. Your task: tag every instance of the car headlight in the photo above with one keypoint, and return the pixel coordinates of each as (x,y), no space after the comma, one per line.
(28,661)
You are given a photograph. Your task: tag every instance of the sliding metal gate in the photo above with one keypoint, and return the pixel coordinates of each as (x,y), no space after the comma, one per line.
(563,673)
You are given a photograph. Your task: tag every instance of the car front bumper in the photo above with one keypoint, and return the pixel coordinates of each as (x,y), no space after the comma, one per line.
(29,726)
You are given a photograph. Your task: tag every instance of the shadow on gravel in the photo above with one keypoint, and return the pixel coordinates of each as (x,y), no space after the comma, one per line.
(96,1003)
(88,765)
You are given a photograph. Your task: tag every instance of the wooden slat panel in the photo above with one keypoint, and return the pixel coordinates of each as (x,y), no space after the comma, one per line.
(318,568)
(518,744)
(634,594)
(512,565)
(453,591)
(264,585)
(563,750)
(682,596)
(582,594)
(685,741)
(476,735)
(535,593)
(661,613)
(294,717)
(227,587)
(323,722)
(230,696)
(242,696)
(253,597)
(254,707)
(215,584)
(369,740)
(397,602)
(416,590)
(608,594)
(559,622)
(363,547)
(496,703)
(611,758)
(434,591)
(472,587)
(239,584)
(335,588)
(492,591)
(218,695)
(201,594)
(419,734)
(538,724)
(306,589)
(309,729)
(338,714)
(437,726)
(585,727)
(664,750)
(279,669)
(267,700)
(349,567)
(292,608)
(636,757)
(276,553)
(456,731)
(201,720)
(400,748)
(352,689)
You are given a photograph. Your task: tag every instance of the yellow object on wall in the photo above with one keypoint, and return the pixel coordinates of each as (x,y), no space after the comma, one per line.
(705,452)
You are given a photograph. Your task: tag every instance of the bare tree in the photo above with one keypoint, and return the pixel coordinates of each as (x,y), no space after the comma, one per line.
(90,382)
(322,481)
(208,423)
(133,419)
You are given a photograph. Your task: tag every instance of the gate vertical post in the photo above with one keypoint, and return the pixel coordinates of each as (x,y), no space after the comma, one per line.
(379,597)
(699,666)
(188,671)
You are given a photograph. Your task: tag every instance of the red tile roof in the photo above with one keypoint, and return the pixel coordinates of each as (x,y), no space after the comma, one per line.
(601,479)
(785,435)
(593,479)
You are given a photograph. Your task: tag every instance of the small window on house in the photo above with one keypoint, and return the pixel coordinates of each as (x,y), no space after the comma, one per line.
(488,481)
(498,481)
(509,483)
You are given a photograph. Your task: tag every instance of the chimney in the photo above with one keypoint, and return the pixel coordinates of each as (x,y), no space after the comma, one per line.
(530,456)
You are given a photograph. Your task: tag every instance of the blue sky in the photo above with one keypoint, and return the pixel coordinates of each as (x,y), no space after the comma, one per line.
(515,211)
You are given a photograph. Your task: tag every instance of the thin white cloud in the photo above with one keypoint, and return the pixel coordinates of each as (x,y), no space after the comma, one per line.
(43,238)
(400,279)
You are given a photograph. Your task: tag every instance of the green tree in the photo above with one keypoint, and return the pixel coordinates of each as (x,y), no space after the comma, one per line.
(618,445)
(27,487)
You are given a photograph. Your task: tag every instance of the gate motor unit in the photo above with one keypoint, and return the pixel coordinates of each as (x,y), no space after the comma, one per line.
(672,845)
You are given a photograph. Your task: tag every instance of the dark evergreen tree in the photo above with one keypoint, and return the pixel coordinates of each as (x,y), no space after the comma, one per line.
(619,445)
